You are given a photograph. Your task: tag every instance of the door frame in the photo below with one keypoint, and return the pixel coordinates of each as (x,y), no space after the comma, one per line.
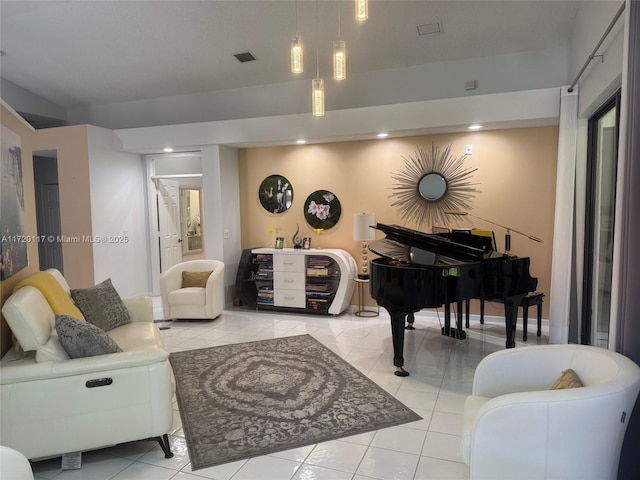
(152,199)
(586,323)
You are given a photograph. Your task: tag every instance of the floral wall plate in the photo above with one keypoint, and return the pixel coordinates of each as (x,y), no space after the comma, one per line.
(276,194)
(322,209)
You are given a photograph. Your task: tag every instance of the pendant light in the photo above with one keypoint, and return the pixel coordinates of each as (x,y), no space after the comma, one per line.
(362,10)
(297,64)
(317,84)
(339,55)
(317,88)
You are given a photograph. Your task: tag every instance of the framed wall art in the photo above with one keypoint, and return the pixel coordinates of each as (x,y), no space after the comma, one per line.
(322,210)
(13,251)
(276,194)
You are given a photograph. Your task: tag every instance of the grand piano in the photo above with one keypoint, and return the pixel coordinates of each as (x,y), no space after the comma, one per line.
(417,270)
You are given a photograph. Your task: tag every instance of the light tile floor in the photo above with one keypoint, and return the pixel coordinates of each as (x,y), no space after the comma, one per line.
(441,376)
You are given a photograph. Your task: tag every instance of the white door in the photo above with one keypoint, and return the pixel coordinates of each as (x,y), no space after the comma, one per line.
(169,223)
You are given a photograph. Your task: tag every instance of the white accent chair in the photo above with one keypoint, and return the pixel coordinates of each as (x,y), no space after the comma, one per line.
(14,465)
(515,427)
(193,302)
(51,404)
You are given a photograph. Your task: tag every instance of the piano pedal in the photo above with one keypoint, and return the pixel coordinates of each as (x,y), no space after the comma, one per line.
(401,372)
(409,326)
(455,333)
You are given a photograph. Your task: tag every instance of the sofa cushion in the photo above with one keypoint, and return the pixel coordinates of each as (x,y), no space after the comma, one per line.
(568,379)
(83,339)
(101,305)
(195,279)
(188,296)
(137,336)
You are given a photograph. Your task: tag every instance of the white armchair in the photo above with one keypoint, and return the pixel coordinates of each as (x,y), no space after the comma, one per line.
(193,302)
(515,427)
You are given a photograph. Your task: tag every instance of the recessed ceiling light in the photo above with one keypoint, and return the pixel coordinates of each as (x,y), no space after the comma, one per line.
(382,135)
(475,127)
(302,141)
(167,149)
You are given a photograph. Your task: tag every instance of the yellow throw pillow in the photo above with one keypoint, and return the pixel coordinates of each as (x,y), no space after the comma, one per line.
(568,379)
(195,279)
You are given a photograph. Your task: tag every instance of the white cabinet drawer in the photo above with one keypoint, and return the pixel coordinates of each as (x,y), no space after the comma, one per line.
(288,280)
(289,298)
(288,263)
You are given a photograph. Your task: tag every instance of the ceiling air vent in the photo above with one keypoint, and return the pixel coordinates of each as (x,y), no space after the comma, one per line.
(245,57)
(429,29)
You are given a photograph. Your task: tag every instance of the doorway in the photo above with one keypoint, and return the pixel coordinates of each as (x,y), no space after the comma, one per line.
(602,163)
(45,178)
(169,176)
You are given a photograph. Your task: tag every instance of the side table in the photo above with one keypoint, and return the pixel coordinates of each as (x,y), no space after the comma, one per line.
(363,311)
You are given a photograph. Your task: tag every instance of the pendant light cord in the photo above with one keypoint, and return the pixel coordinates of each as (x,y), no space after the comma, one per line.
(317,42)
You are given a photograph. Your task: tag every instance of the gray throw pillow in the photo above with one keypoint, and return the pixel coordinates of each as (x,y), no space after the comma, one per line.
(101,305)
(82,339)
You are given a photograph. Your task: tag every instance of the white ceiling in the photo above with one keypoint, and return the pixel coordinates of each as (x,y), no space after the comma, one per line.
(78,53)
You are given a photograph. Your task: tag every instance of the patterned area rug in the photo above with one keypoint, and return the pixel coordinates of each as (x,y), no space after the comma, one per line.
(249,399)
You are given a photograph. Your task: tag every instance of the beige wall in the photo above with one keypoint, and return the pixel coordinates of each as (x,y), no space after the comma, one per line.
(71,144)
(75,198)
(516,175)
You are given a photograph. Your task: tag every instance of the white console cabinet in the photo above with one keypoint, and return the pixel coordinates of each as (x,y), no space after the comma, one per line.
(316,281)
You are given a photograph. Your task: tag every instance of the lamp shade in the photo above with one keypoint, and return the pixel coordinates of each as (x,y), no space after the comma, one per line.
(362,223)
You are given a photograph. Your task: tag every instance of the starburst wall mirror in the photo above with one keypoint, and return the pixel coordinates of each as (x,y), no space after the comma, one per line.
(432,183)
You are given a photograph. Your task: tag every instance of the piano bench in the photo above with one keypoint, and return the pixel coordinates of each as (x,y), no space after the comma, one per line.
(533,298)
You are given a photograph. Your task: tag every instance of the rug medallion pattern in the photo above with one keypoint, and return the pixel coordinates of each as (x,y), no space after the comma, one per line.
(242,400)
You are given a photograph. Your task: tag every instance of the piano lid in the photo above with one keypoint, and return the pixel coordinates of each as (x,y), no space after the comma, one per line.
(411,246)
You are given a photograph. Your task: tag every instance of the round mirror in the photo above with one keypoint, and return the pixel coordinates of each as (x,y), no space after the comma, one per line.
(432,187)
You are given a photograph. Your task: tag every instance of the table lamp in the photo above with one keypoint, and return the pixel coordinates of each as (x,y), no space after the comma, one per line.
(363,232)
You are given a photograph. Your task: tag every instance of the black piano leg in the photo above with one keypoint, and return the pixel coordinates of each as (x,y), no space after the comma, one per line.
(397,334)
(511,316)
(410,321)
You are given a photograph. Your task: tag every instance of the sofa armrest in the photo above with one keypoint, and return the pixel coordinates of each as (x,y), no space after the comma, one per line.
(140,308)
(99,365)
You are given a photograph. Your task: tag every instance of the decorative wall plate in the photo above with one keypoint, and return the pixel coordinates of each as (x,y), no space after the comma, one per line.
(433,183)
(276,194)
(322,209)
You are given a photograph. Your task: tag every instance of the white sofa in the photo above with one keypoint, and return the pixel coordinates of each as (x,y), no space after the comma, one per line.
(193,302)
(47,406)
(515,427)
